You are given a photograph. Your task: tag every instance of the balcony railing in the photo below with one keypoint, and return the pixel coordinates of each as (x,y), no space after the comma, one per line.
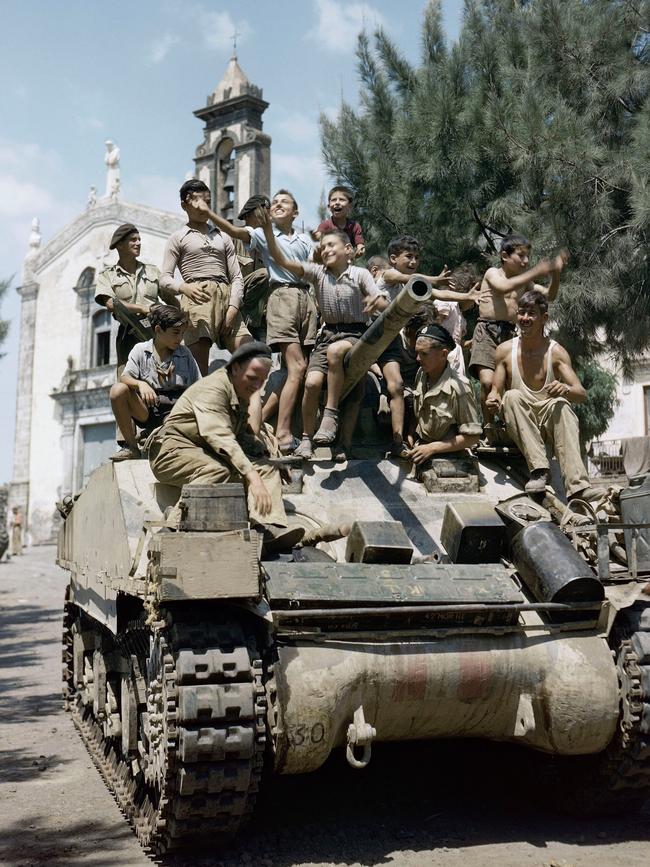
(605,458)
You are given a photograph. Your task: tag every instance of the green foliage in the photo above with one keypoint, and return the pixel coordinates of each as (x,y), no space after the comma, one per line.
(4,324)
(537,120)
(594,414)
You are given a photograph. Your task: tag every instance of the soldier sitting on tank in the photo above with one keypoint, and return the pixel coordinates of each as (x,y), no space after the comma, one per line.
(133,283)
(156,373)
(207,439)
(446,416)
(540,385)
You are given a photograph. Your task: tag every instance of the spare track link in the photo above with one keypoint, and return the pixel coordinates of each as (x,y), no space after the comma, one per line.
(207,720)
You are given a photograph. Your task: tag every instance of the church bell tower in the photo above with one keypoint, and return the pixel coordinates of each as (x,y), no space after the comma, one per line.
(234,158)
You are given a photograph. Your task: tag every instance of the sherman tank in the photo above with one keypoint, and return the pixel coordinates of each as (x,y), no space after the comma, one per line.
(450,605)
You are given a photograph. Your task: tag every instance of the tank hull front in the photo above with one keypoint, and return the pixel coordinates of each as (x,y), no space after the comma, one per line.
(557,694)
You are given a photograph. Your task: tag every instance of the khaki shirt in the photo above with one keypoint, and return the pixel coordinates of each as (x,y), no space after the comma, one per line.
(210,413)
(139,288)
(446,406)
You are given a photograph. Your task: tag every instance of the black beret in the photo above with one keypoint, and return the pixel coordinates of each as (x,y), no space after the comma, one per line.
(252,349)
(252,203)
(121,233)
(438,334)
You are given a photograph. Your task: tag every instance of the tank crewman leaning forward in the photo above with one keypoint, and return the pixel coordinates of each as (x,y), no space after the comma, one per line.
(155,375)
(133,283)
(446,415)
(212,284)
(540,385)
(200,442)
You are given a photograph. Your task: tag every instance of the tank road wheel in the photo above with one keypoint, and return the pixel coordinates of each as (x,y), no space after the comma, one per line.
(618,779)
(186,759)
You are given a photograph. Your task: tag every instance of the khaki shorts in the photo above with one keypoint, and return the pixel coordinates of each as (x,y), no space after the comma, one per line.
(206,319)
(332,334)
(290,316)
(488,334)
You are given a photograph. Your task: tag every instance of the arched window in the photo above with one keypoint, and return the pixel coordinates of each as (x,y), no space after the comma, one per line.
(102,338)
(86,278)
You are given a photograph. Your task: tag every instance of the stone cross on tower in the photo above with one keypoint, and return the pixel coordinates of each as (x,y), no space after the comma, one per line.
(234,159)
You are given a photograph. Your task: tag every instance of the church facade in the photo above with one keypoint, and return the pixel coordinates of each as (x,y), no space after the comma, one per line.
(66,365)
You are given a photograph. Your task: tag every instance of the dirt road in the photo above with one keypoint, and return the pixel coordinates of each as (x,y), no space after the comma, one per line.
(416,805)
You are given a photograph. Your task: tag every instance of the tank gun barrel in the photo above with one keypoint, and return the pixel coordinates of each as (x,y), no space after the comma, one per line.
(385,327)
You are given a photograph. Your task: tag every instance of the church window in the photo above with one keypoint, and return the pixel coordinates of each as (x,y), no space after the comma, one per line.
(86,278)
(102,335)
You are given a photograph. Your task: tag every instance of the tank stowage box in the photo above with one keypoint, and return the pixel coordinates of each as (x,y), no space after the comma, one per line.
(472,532)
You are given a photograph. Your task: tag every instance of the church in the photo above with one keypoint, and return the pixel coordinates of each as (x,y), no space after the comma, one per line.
(66,362)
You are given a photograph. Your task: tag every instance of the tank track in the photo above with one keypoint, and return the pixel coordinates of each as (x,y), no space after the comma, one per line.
(618,779)
(201,733)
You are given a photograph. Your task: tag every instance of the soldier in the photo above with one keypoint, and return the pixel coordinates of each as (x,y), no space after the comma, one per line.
(540,385)
(446,415)
(132,283)
(205,438)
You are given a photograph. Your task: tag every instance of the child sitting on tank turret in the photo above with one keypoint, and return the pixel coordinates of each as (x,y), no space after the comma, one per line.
(156,373)
(346,296)
(404,258)
(446,416)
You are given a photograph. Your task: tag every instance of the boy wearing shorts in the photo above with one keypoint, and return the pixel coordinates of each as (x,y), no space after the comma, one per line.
(212,285)
(156,373)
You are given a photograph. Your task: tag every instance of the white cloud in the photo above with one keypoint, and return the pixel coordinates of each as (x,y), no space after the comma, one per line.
(306,178)
(218,29)
(18,197)
(160,48)
(296,127)
(339,23)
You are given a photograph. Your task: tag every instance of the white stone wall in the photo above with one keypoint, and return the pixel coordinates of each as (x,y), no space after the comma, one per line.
(629,418)
(58,334)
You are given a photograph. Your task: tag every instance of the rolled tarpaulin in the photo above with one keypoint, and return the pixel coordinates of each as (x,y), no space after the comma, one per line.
(385,327)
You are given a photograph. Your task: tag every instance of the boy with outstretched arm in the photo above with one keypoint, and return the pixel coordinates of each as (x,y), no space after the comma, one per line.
(346,296)
(501,289)
(212,285)
(339,201)
(404,258)
(290,310)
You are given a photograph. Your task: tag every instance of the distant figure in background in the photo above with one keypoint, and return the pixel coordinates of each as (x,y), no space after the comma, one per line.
(16,537)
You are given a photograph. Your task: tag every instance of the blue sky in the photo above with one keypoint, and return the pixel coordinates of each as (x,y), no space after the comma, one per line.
(76,72)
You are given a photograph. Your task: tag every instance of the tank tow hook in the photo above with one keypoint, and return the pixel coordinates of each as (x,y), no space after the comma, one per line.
(360,734)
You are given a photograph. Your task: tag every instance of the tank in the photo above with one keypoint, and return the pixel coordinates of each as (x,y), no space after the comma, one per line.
(195,670)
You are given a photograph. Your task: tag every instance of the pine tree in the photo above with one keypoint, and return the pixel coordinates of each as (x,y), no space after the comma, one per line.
(537,120)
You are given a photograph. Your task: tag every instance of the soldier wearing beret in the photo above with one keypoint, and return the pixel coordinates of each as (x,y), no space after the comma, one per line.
(446,415)
(207,439)
(134,284)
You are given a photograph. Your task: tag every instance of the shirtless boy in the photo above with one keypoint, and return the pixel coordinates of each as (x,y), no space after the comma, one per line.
(500,292)
(535,386)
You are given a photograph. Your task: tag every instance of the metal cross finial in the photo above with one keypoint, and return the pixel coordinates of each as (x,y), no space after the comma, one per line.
(234,42)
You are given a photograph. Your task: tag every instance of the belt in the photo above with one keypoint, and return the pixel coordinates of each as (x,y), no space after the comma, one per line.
(345,326)
(275,283)
(219,279)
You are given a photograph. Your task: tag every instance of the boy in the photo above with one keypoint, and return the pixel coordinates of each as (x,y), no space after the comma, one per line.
(339,201)
(449,314)
(256,277)
(540,385)
(156,372)
(290,310)
(212,283)
(501,290)
(377,265)
(403,258)
(346,295)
